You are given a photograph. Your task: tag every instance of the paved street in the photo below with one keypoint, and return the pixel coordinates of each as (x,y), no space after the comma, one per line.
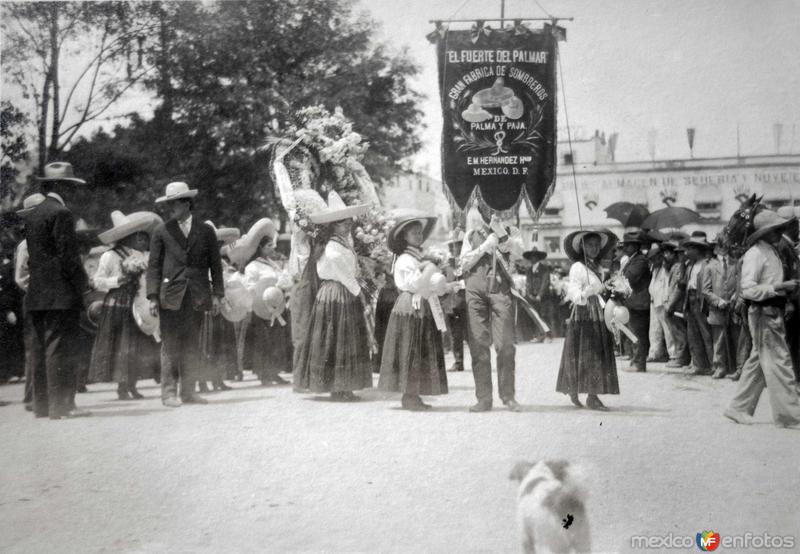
(267,470)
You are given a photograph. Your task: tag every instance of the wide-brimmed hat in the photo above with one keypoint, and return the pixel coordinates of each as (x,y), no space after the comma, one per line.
(243,249)
(698,239)
(455,237)
(60,171)
(614,313)
(670,245)
(789,212)
(534,255)
(264,297)
(30,202)
(403,218)
(125,225)
(635,237)
(176,191)
(337,210)
(237,303)
(224,234)
(654,251)
(573,247)
(140,306)
(764,222)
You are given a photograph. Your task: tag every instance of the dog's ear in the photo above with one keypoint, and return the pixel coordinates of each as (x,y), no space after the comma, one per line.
(559,468)
(520,470)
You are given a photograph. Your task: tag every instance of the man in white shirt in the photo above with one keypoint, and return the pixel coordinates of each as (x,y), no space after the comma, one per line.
(765,289)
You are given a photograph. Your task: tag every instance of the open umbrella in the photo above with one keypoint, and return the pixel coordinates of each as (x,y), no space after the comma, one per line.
(672,217)
(627,213)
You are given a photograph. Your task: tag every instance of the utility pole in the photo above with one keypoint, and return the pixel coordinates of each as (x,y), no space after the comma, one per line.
(502,13)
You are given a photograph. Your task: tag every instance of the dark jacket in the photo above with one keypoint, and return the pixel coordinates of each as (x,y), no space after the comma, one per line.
(677,287)
(179,263)
(637,271)
(537,283)
(57,277)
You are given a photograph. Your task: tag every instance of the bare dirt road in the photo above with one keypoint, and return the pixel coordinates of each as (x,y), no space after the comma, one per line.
(268,470)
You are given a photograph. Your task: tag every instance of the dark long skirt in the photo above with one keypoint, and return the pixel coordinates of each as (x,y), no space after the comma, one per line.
(334,357)
(268,348)
(121,353)
(218,345)
(413,353)
(587,362)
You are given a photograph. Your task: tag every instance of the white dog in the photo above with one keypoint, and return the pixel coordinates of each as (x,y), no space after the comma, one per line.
(550,508)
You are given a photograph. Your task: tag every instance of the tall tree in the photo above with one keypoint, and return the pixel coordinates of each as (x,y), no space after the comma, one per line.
(72,55)
(15,150)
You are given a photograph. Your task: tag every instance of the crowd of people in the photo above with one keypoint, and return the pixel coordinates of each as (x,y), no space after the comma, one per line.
(191,304)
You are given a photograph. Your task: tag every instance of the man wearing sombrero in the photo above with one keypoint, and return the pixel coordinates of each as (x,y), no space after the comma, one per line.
(55,294)
(698,251)
(765,289)
(183,252)
(637,272)
(537,288)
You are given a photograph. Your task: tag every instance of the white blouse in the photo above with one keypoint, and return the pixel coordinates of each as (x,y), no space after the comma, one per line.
(338,263)
(109,270)
(582,284)
(407,273)
(261,268)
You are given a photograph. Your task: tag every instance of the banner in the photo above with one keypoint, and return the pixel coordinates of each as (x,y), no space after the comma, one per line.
(498,93)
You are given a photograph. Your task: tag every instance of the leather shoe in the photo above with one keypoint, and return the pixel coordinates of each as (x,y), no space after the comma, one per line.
(719,374)
(674,364)
(513,405)
(194,399)
(739,417)
(481,406)
(701,372)
(77,412)
(135,394)
(172,402)
(456,367)
(735,376)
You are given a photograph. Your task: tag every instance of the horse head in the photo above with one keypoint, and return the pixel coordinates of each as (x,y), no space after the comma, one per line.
(740,225)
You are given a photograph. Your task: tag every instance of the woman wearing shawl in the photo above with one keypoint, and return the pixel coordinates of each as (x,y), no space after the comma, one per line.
(587,361)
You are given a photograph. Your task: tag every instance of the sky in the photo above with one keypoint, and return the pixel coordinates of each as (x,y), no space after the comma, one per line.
(630,66)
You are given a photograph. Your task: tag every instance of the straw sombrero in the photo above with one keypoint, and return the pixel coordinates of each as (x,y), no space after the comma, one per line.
(698,239)
(225,235)
(573,243)
(241,251)
(176,191)
(403,218)
(615,313)
(60,171)
(265,307)
(30,202)
(237,303)
(765,222)
(125,225)
(534,255)
(337,210)
(140,306)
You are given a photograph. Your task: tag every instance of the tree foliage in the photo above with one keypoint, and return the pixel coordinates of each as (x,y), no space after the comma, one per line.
(15,150)
(228,75)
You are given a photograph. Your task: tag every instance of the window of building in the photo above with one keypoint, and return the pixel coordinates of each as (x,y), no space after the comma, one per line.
(707,206)
(553,244)
(552,212)
(569,158)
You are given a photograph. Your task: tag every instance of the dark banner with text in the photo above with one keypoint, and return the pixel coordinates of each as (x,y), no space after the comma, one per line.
(498,91)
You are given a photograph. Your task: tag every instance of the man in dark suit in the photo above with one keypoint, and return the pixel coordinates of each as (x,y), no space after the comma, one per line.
(538,290)
(55,295)
(182,254)
(695,307)
(637,271)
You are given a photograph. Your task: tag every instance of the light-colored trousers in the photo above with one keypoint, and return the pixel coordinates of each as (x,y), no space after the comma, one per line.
(660,334)
(769,365)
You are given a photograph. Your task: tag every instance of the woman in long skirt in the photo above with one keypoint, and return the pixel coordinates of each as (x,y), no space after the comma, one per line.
(218,337)
(267,345)
(587,361)
(413,353)
(334,357)
(122,352)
